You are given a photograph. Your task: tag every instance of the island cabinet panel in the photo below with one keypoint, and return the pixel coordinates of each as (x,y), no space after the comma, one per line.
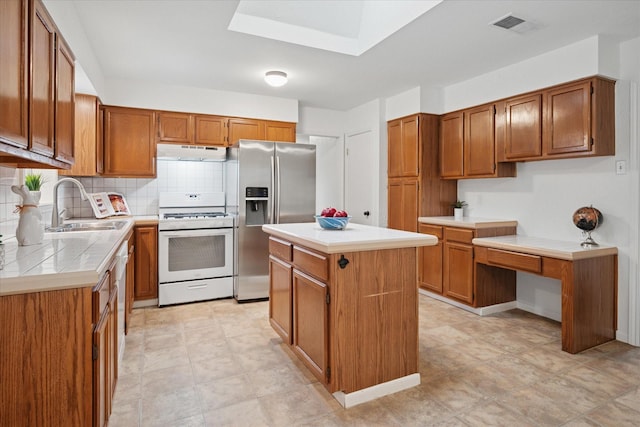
(129,142)
(354,314)
(311,324)
(46,358)
(280,298)
(374,318)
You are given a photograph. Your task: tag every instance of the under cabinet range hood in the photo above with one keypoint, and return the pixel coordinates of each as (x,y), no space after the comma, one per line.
(196,153)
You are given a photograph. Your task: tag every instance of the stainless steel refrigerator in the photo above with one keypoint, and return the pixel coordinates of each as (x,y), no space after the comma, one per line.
(267,183)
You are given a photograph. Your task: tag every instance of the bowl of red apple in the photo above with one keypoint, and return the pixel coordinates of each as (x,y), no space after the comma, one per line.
(333,219)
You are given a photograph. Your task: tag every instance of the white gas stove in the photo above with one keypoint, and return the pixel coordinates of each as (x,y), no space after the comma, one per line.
(195,248)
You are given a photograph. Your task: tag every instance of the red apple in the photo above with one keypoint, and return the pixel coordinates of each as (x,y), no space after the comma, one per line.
(328,212)
(341,214)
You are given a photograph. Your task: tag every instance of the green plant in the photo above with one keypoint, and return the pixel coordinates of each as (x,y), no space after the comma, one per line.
(459,204)
(33,181)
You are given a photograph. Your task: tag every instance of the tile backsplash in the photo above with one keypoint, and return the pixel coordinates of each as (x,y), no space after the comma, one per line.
(8,199)
(142,193)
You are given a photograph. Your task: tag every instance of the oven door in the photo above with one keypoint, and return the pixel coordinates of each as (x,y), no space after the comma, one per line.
(194,254)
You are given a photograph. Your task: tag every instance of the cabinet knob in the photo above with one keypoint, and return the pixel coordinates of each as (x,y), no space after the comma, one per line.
(366,213)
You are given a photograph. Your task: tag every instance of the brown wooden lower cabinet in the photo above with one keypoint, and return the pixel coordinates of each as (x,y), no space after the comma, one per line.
(59,356)
(146,262)
(448,268)
(354,314)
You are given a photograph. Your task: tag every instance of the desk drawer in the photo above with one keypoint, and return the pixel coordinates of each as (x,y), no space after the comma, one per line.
(313,264)
(514,260)
(280,249)
(458,235)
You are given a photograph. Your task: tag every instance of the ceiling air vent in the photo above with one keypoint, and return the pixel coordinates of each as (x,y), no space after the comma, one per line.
(508,22)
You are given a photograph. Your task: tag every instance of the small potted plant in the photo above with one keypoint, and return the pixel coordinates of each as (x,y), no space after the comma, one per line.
(458,209)
(34,182)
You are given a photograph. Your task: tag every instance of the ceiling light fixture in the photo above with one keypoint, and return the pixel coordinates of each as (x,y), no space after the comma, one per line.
(275,78)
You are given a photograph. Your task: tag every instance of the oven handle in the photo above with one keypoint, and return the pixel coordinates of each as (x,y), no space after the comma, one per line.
(190,233)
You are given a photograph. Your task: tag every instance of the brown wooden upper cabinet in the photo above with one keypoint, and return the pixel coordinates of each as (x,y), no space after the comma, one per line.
(452,145)
(404,150)
(129,142)
(185,128)
(64,149)
(245,129)
(523,130)
(37,87)
(575,119)
(280,131)
(88,137)
(468,145)
(200,129)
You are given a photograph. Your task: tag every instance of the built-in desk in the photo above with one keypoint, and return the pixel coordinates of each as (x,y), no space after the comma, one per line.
(589,279)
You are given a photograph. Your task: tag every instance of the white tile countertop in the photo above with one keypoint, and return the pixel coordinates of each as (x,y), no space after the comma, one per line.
(354,238)
(62,260)
(467,222)
(545,247)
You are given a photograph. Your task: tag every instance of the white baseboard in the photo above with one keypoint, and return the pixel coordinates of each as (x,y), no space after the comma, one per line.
(549,314)
(368,394)
(146,303)
(481,311)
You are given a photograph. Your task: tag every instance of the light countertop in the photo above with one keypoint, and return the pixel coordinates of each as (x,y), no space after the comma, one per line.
(545,247)
(63,260)
(467,222)
(356,237)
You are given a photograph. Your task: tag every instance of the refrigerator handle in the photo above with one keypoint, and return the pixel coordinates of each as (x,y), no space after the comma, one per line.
(277,217)
(270,220)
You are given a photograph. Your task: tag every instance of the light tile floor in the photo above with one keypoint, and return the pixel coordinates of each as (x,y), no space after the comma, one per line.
(219,363)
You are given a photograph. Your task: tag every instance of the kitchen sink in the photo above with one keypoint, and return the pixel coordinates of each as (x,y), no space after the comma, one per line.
(87,226)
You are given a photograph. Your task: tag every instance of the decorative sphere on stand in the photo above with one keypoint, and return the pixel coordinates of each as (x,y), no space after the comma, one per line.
(587,219)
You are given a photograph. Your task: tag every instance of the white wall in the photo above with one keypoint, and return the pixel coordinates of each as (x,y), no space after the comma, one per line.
(403,104)
(199,100)
(545,194)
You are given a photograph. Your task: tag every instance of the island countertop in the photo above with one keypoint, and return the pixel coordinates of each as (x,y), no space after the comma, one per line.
(354,238)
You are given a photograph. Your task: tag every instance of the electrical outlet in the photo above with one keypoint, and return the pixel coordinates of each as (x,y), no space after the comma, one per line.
(621,167)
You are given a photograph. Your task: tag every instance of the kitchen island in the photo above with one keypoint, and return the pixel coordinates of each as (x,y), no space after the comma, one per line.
(346,303)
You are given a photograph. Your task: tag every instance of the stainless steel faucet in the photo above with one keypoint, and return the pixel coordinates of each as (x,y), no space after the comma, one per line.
(56,218)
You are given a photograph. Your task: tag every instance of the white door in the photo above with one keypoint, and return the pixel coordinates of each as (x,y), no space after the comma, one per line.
(329,172)
(361,181)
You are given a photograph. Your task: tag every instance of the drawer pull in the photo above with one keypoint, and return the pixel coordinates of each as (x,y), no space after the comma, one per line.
(191,287)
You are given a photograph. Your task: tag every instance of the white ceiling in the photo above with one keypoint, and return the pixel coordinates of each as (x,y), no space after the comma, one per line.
(188,43)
